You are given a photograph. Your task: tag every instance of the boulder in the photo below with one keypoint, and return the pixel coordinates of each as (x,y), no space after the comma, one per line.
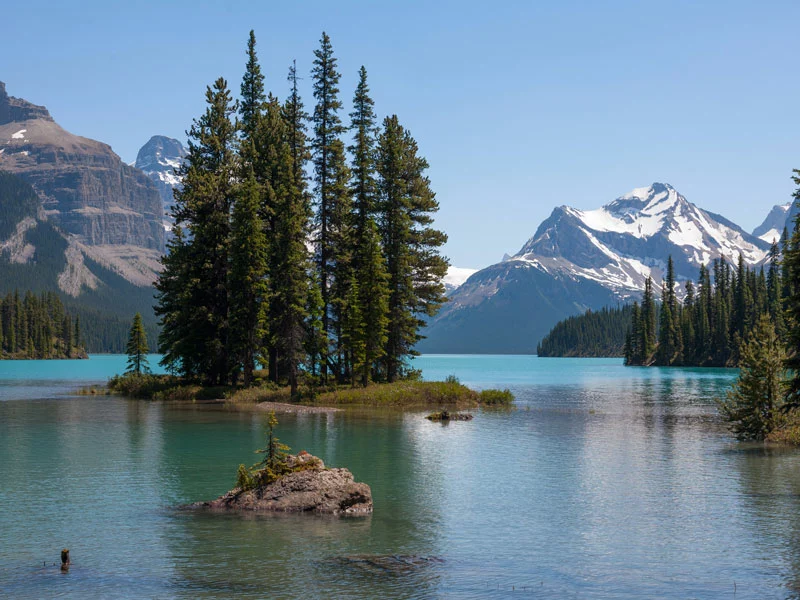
(313,488)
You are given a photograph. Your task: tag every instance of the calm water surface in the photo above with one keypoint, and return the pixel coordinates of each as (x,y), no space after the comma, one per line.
(606,482)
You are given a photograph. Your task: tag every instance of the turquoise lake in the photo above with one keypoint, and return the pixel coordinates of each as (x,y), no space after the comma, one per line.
(605,482)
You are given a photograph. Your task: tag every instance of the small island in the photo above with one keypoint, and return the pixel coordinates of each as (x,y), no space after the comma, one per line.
(284,482)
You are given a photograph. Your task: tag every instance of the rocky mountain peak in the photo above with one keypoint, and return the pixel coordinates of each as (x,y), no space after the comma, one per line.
(158,159)
(161,154)
(16,109)
(772,227)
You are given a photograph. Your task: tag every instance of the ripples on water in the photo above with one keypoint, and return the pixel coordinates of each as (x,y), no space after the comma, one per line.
(605,483)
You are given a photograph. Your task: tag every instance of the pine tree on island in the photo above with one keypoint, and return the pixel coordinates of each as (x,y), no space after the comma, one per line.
(336,294)
(137,347)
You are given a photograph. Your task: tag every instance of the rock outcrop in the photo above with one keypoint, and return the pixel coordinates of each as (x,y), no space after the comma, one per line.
(313,488)
(85,188)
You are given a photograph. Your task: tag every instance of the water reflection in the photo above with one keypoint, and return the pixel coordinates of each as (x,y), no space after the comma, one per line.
(613,484)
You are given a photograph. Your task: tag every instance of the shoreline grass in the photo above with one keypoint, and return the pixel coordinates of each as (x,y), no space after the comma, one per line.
(400,394)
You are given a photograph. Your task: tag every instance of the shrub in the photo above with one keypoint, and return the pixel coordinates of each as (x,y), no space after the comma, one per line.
(245,479)
(496,397)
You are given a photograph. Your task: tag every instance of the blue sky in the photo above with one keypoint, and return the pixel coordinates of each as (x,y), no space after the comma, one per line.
(518,106)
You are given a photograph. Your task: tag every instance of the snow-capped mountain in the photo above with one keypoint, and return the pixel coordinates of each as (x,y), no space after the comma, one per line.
(623,242)
(581,259)
(159,158)
(456,276)
(772,227)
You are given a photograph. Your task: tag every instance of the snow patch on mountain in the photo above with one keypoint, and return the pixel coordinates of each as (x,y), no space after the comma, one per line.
(622,243)
(772,227)
(456,276)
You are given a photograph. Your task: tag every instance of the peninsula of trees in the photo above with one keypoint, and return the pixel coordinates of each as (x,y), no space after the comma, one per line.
(592,334)
(716,316)
(302,243)
(38,327)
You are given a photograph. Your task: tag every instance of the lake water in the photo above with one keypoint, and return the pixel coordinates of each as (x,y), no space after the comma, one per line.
(605,482)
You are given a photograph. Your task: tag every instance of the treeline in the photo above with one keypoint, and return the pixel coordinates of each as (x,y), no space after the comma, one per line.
(330,278)
(34,326)
(594,333)
(716,315)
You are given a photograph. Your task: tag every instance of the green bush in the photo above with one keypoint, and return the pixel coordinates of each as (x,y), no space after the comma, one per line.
(496,397)
(141,386)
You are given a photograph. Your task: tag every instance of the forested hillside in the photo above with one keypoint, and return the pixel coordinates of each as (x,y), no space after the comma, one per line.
(35,256)
(716,315)
(594,333)
(34,326)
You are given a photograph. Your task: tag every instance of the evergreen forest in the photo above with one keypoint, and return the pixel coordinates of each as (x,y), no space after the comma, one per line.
(594,333)
(38,327)
(303,241)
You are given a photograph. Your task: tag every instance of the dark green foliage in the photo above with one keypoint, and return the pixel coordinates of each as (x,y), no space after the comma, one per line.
(594,333)
(137,347)
(708,328)
(415,268)
(371,290)
(239,285)
(330,179)
(752,406)
(193,289)
(791,266)
(18,201)
(37,326)
(247,282)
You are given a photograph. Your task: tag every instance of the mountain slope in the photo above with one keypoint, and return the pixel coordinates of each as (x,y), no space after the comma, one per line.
(579,260)
(35,255)
(109,208)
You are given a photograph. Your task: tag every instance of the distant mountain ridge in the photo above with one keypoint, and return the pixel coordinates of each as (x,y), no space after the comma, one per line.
(585,259)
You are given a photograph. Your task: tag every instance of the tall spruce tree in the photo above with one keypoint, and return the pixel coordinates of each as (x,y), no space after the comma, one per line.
(247,282)
(330,176)
(193,287)
(791,265)
(752,406)
(414,265)
(647,328)
(137,348)
(369,268)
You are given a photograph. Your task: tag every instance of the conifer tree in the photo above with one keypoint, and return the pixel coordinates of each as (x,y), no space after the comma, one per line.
(752,405)
(791,264)
(368,265)
(774,289)
(193,288)
(329,179)
(247,282)
(137,347)
(251,106)
(647,328)
(414,265)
